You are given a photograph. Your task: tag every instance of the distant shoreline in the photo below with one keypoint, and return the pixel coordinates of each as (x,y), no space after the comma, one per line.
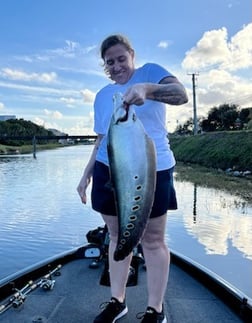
(28,149)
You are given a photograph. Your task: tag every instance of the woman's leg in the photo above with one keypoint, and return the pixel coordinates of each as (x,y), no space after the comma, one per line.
(118,270)
(157,259)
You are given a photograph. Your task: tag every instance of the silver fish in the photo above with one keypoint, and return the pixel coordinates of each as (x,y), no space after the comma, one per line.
(132,162)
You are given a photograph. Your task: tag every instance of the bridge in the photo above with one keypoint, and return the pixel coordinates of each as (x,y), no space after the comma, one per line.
(34,139)
(74,137)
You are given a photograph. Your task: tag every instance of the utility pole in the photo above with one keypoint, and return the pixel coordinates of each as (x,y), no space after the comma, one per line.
(195,121)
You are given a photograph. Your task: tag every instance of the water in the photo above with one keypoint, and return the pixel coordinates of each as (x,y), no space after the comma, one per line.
(41,215)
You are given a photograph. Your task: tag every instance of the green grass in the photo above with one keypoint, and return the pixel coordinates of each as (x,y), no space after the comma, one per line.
(26,149)
(213,178)
(216,150)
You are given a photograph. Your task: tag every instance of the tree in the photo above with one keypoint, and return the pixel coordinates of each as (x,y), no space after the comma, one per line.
(186,128)
(244,116)
(21,128)
(223,117)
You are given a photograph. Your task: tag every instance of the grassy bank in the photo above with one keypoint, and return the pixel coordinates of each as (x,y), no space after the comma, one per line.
(213,178)
(215,150)
(26,149)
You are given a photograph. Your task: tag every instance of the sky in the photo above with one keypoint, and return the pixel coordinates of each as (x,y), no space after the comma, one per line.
(50,67)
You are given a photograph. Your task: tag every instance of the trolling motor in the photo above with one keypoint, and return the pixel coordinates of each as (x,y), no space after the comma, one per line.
(99,237)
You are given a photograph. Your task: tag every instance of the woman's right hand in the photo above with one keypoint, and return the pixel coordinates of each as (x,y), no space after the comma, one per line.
(88,172)
(82,187)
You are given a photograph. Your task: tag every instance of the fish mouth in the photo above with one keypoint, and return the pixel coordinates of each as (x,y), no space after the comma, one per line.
(125,117)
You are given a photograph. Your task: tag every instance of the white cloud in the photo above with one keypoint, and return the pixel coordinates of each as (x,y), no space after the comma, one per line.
(1,106)
(163,44)
(17,75)
(83,127)
(215,49)
(39,121)
(222,66)
(88,96)
(210,49)
(240,47)
(53,114)
(69,102)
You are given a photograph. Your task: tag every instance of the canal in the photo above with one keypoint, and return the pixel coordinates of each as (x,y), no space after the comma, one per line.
(41,215)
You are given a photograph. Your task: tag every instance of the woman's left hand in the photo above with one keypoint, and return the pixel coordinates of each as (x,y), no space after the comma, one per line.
(136,94)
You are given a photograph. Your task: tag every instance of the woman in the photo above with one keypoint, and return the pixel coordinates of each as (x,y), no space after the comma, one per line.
(149,87)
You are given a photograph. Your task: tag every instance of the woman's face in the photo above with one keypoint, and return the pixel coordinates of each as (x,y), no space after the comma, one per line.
(119,63)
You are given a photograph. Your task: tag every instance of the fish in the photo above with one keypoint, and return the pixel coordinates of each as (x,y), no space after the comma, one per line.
(132,165)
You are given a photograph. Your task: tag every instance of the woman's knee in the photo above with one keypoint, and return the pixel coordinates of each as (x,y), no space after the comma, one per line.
(154,236)
(152,241)
(112,225)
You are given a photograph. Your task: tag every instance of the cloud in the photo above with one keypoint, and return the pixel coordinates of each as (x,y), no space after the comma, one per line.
(69,102)
(1,106)
(214,50)
(44,90)
(39,121)
(88,96)
(53,114)
(240,47)
(163,44)
(211,49)
(223,69)
(19,75)
(71,50)
(83,127)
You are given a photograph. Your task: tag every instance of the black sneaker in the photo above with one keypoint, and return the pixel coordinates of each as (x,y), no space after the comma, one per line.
(112,311)
(152,316)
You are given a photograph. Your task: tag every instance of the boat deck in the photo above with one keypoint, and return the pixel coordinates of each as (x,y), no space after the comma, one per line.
(78,293)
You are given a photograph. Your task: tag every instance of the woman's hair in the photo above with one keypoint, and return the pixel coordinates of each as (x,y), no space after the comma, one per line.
(112,41)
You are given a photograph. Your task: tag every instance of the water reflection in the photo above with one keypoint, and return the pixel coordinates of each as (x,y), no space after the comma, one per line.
(218,220)
(195,203)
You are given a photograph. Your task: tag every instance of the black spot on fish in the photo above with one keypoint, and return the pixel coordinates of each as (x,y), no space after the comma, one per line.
(139,187)
(137,198)
(132,217)
(130,226)
(136,177)
(135,208)
(126,234)
(123,241)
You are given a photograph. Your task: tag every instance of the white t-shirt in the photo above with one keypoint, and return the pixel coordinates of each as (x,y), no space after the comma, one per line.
(152,114)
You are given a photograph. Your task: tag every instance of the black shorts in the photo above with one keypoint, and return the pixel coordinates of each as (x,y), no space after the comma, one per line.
(103,200)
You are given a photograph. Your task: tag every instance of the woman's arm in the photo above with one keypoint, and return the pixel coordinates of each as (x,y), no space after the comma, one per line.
(88,172)
(169,91)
